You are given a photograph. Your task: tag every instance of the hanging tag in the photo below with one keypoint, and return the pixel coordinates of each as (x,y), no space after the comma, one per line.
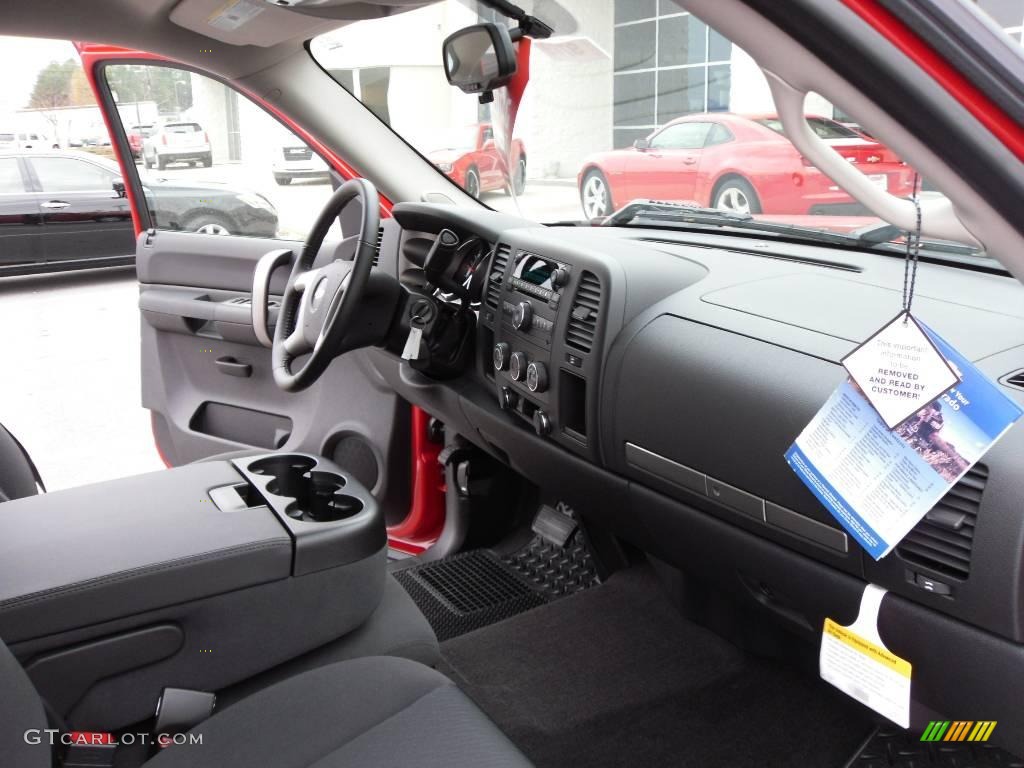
(899,370)
(855,660)
(411,351)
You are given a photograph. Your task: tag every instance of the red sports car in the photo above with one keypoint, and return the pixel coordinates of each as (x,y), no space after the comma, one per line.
(469,158)
(741,163)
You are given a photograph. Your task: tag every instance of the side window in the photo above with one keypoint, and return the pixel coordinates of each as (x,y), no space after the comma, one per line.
(213,162)
(681,136)
(61,174)
(10,176)
(718,134)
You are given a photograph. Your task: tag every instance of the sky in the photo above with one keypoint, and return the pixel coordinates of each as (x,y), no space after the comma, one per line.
(21,59)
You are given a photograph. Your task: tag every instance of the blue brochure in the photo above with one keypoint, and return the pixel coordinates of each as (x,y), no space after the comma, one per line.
(878,482)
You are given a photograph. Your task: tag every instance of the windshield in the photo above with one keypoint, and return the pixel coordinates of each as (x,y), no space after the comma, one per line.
(628,100)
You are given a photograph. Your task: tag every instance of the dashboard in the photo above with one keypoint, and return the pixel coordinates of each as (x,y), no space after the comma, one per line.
(654,379)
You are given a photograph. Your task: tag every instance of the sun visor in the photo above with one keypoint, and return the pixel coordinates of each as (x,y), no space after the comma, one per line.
(246,22)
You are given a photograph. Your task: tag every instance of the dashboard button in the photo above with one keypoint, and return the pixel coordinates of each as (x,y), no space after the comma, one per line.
(559,277)
(537,377)
(541,423)
(517,366)
(500,356)
(522,316)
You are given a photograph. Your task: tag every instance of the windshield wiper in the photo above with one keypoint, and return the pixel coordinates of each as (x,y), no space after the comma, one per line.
(651,212)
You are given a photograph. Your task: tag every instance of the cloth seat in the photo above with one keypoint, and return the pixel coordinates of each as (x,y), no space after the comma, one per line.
(377,711)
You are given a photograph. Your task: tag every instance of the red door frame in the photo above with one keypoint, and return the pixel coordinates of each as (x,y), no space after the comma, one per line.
(423,524)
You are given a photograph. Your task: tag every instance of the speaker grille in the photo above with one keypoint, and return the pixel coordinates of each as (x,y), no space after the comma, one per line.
(354,454)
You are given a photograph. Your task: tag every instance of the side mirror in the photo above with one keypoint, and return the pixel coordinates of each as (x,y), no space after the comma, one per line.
(479,59)
(118,186)
(641,144)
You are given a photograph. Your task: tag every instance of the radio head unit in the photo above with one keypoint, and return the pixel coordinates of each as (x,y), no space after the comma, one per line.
(537,276)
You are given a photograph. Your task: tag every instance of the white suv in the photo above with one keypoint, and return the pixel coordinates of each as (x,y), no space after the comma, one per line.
(183,142)
(295,160)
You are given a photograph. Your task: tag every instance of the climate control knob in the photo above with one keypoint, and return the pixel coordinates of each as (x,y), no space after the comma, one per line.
(537,377)
(517,366)
(500,356)
(522,316)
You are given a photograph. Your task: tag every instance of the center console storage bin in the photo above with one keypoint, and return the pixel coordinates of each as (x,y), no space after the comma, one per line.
(255,561)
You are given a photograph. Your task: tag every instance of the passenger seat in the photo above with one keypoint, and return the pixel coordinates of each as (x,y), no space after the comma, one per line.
(377,711)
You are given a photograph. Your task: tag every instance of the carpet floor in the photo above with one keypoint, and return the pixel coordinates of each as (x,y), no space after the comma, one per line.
(614,676)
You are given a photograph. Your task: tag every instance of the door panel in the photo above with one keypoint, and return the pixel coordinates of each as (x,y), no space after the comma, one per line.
(83,217)
(20,222)
(209,383)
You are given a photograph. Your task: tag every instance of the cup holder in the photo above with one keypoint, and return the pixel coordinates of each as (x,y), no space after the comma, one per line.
(315,497)
(323,500)
(287,473)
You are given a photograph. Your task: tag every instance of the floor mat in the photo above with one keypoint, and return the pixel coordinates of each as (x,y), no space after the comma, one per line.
(467,591)
(891,747)
(613,676)
(473,589)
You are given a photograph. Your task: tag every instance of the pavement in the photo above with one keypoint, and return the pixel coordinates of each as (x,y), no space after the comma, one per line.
(70,391)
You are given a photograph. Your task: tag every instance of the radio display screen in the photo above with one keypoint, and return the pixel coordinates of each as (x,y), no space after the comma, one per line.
(535,270)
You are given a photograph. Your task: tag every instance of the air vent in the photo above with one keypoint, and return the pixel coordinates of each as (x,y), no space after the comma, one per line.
(380,240)
(497,274)
(1015,380)
(942,541)
(585,310)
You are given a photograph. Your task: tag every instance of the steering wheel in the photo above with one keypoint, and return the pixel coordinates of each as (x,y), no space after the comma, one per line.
(318,305)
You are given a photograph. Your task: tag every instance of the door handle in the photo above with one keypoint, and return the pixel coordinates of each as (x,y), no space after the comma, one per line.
(231,367)
(54,204)
(689,160)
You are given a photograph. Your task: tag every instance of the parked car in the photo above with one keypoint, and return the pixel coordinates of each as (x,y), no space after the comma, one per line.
(183,142)
(26,140)
(136,135)
(64,210)
(471,159)
(741,163)
(295,160)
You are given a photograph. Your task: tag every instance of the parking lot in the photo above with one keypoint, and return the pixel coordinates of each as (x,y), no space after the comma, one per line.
(545,200)
(70,389)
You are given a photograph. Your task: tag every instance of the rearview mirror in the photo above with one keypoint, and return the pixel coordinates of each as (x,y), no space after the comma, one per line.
(641,144)
(479,59)
(118,186)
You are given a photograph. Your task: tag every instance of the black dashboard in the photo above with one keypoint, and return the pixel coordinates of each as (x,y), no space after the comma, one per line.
(655,379)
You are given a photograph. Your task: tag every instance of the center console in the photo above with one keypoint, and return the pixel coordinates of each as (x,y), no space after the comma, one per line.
(545,317)
(194,577)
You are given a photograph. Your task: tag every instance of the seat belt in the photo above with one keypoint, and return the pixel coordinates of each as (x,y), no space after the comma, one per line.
(28,459)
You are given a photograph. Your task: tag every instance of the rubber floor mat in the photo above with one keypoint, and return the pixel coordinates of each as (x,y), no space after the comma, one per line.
(467,591)
(891,747)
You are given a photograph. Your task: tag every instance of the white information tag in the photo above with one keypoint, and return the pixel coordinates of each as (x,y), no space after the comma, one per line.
(411,351)
(899,370)
(855,661)
(235,13)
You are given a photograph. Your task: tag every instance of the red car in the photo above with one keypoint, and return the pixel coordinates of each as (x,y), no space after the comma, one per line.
(740,163)
(136,135)
(470,159)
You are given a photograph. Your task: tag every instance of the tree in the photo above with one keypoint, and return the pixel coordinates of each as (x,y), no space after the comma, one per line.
(79,92)
(53,89)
